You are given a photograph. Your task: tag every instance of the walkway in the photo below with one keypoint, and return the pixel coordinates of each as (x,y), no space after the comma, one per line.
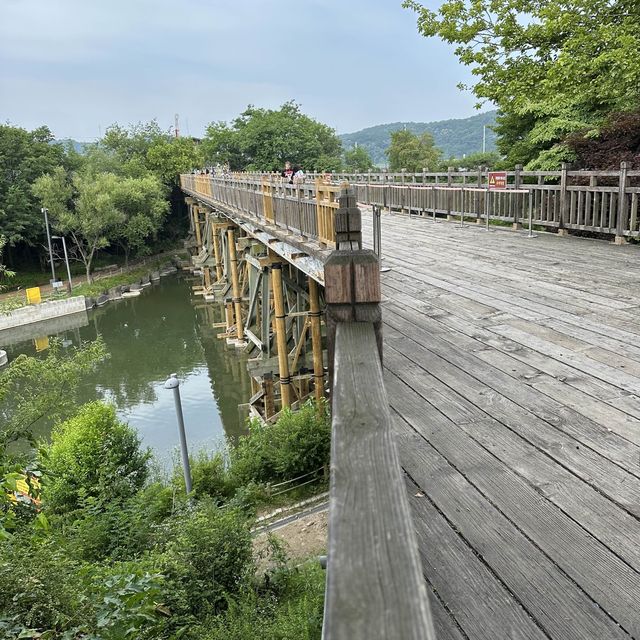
(513,373)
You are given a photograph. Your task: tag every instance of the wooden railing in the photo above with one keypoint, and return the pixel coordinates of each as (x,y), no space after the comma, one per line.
(597,201)
(375,588)
(306,209)
(604,202)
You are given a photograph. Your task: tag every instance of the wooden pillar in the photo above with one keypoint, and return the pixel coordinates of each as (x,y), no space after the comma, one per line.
(228,314)
(206,274)
(562,231)
(196,223)
(217,253)
(235,283)
(269,403)
(622,221)
(316,339)
(281,336)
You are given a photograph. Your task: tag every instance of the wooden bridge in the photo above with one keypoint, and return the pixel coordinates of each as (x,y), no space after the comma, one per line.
(485,482)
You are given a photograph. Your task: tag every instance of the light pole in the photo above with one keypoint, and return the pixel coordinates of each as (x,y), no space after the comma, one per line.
(66,259)
(174,383)
(46,224)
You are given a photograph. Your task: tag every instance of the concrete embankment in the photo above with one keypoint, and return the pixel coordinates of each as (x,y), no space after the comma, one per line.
(43,311)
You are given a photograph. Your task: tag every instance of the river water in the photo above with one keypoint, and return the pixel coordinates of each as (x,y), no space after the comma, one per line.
(164,330)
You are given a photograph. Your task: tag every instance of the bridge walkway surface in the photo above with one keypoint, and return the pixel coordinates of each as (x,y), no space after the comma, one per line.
(512,367)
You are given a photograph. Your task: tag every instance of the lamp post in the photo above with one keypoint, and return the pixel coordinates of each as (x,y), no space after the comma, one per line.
(174,383)
(46,224)
(66,259)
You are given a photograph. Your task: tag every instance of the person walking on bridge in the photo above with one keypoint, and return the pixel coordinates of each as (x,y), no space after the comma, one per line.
(287,174)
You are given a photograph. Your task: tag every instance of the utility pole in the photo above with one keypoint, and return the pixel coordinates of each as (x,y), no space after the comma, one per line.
(177,127)
(484,138)
(46,224)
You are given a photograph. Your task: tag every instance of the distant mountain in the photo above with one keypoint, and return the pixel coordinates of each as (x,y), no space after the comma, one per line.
(79,147)
(455,137)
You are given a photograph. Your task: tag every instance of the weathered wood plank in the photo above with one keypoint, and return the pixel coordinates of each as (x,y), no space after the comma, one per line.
(374,580)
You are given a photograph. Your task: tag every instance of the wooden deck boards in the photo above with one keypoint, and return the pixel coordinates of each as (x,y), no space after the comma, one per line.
(513,372)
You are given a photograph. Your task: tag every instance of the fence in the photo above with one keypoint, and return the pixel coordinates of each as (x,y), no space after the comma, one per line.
(604,202)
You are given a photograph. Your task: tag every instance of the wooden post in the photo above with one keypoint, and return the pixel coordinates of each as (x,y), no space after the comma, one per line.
(196,223)
(348,221)
(517,185)
(352,294)
(621,222)
(563,200)
(316,339)
(281,336)
(216,252)
(449,183)
(235,283)
(269,402)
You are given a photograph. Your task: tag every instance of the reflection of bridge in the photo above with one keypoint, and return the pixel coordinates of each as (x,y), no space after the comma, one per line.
(512,370)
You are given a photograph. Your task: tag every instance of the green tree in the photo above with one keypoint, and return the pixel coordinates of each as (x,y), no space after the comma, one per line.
(33,389)
(490,159)
(412,152)
(264,139)
(357,160)
(4,272)
(24,156)
(552,68)
(142,202)
(168,158)
(83,207)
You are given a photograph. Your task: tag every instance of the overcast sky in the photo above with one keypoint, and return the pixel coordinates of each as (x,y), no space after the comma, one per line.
(81,65)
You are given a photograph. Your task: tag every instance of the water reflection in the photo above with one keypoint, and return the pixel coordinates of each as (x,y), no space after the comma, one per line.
(165,330)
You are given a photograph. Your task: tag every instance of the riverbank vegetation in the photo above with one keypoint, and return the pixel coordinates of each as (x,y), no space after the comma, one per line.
(95,545)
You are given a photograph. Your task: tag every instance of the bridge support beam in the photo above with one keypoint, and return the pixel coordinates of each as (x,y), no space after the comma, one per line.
(316,339)
(281,335)
(235,283)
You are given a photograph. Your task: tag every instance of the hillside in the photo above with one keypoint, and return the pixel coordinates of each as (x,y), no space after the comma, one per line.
(454,137)
(79,147)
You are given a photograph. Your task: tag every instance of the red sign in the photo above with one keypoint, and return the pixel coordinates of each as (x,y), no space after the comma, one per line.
(497,180)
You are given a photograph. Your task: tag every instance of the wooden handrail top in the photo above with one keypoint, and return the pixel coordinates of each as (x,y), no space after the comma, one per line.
(375,588)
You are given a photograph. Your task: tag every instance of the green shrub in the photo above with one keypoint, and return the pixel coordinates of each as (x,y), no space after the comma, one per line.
(93,455)
(209,558)
(295,613)
(209,477)
(38,584)
(119,530)
(296,444)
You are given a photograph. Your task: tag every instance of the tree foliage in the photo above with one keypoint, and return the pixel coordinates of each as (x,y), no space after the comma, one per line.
(264,139)
(553,68)
(357,160)
(413,152)
(32,389)
(24,156)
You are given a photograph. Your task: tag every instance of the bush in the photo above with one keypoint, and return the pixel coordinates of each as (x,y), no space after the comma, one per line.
(209,477)
(209,557)
(296,444)
(119,530)
(295,613)
(93,455)
(37,585)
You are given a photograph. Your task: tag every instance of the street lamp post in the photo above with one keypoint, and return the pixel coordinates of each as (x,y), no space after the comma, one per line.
(174,383)
(66,259)
(46,224)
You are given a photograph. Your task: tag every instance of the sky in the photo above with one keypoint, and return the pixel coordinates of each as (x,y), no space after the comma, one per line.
(80,65)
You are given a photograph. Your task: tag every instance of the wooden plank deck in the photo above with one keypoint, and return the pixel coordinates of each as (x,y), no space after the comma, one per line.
(512,368)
